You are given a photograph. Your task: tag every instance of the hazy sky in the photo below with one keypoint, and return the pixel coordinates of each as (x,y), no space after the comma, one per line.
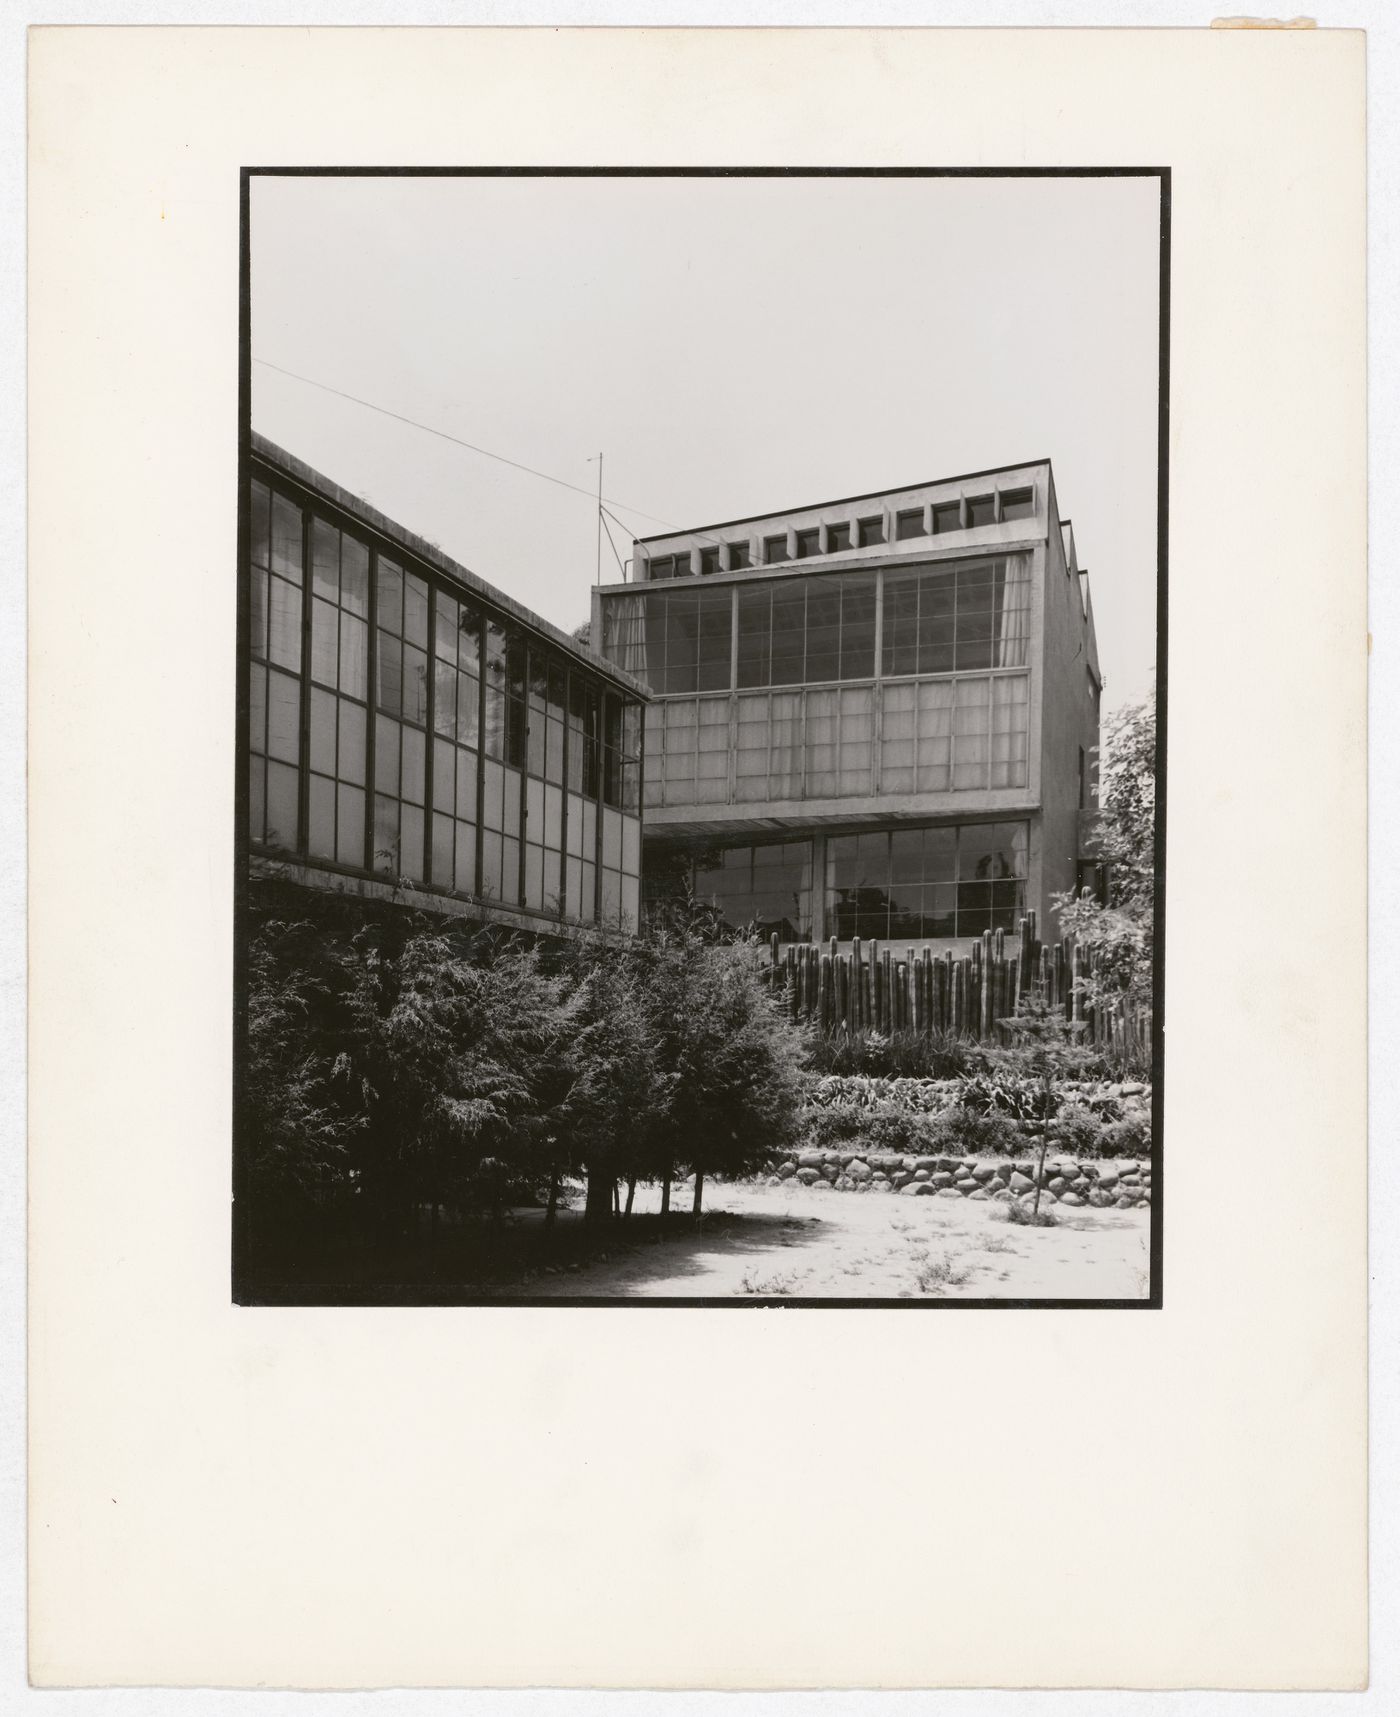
(732,346)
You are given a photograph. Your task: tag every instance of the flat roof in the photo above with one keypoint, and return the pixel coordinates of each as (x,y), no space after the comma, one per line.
(842,500)
(410,543)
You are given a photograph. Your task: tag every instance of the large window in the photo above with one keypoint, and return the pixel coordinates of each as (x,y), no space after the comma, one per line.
(339,695)
(400,725)
(946,619)
(677,640)
(275,672)
(929,882)
(938,619)
(394,727)
(803,631)
(456,741)
(763,888)
(934,736)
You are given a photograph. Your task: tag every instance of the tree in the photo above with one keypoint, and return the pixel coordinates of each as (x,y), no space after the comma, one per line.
(731,1056)
(618,1087)
(298,1122)
(1119,933)
(1044,1050)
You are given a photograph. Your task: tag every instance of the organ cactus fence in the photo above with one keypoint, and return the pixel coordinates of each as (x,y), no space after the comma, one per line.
(873,988)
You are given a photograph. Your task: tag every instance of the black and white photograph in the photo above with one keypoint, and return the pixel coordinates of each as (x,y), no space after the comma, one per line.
(701,737)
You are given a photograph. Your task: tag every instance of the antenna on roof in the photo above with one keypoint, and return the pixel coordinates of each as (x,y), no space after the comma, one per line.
(598,558)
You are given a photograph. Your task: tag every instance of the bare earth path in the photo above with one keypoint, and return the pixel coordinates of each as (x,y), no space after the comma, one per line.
(801,1242)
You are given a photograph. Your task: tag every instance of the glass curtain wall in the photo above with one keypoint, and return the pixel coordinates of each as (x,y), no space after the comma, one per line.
(938,619)
(946,706)
(765,887)
(339,695)
(275,674)
(933,736)
(929,882)
(396,727)
(401,721)
(457,638)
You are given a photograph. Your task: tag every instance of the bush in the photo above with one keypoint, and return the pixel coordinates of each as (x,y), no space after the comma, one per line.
(1079,1131)
(832,1125)
(891,1128)
(1000,1092)
(966,1133)
(880,1127)
(1129,1138)
(903,1054)
(861,1091)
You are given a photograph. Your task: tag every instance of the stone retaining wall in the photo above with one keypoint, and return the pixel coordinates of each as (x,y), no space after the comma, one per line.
(1123,1182)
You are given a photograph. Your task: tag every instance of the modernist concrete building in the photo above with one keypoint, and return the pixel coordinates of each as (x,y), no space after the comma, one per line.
(875,716)
(406,721)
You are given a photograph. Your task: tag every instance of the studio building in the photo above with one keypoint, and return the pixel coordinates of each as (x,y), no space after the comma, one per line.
(873,717)
(410,734)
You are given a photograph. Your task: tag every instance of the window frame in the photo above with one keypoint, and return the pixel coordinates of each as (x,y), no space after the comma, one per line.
(312,505)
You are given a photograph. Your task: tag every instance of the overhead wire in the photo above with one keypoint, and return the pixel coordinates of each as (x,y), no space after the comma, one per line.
(485,452)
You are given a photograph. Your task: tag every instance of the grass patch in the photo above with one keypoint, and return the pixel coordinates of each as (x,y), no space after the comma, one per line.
(767,1287)
(938,1271)
(1023,1216)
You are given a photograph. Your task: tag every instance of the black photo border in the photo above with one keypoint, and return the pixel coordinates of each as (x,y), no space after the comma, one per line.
(247,1290)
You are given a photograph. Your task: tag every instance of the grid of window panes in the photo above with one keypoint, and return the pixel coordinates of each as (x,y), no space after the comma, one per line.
(531,761)
(620,857)
(687,752)
(676,640)
(942,735)
(935,736)
(339,695)
(946,619)
(581,802)
(950,881)
(765,888)
(544,786)
(802,631)
(274,682)
(938,619)
(503,742)
(401,721)
(456,741)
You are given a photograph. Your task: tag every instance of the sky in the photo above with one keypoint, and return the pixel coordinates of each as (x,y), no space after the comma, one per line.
(731,346)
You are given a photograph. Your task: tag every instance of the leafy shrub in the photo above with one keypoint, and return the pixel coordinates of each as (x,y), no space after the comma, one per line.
(833,1125)
(879,1127)
(1078,1131)
(861,1091)
(891,1128)
(965,1132)
(1000,1092)
(1127,1138)
(901,1054)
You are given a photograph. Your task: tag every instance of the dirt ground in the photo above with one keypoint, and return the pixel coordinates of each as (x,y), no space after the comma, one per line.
(804,1242)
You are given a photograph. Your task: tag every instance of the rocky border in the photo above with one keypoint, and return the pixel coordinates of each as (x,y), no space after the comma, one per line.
(1123,1183)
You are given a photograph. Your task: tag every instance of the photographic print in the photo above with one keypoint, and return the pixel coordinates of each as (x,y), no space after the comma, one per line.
(700,737)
